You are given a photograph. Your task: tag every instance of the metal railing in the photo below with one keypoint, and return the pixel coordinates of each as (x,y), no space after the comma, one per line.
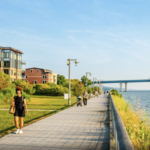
(122,140)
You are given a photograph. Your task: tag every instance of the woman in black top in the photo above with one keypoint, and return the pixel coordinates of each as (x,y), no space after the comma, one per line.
(20,107)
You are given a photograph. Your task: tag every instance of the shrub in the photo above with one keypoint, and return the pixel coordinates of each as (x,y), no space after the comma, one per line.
(115,93)
(89,90)
(4,81)
(7,95)
(50,89)
(42,89)
(78,89)
(31,91)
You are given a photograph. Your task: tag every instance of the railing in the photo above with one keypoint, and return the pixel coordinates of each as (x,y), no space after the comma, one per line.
(122,140)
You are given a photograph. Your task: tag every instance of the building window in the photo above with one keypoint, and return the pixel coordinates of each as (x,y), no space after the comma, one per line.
(6,54)
(44,82)
(43,77)
(35,82)
(6,71)
(37,70)
(31,71)
(6,63)
(26,77)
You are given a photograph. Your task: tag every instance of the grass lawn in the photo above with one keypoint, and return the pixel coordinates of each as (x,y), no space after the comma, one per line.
(7,120)
(37,102)
(46,102)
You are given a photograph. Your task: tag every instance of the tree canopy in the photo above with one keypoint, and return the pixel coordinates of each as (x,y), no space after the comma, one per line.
(83,80)
(61,80)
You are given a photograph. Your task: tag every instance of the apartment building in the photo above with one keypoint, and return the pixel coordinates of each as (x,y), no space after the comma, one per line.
(40,76)
(11,62)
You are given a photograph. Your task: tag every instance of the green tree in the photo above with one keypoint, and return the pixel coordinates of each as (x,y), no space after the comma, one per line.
(61,80)
(83,80)
(4,81)
(78,89)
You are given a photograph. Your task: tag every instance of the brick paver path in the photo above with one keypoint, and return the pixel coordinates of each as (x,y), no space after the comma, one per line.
(76,128)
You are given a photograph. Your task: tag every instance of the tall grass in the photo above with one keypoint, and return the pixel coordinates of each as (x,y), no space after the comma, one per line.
(136,121)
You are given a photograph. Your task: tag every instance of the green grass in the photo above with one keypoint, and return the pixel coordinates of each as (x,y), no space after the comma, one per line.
(37,102)
(7,120)
(45,102)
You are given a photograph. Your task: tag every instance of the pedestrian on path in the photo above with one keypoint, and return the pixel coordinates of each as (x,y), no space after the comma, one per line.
(96,94)
(107,93)
(79,101)
(104,93)
(85,96)
(20,107)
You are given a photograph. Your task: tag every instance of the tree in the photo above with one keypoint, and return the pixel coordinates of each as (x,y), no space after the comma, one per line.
(61,80)
(83,80)
(4,81)
(78,89)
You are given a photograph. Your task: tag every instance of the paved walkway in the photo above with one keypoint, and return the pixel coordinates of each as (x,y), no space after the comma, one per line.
(76,128)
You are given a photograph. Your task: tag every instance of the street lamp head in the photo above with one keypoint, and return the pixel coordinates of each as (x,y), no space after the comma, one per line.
(68,62)
(76,62)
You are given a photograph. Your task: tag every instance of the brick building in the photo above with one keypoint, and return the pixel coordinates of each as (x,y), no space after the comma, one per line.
(40,76)
(11,62)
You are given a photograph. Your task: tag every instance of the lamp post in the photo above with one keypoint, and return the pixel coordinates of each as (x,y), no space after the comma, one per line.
(93,82)
(86,78)
(69,65)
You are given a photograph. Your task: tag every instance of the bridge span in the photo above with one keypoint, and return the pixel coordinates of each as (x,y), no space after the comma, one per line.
(101,82)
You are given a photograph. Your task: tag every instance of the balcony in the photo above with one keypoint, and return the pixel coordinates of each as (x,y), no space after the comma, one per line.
(23,62)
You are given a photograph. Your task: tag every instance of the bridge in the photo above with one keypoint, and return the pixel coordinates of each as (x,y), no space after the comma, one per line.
(120,82)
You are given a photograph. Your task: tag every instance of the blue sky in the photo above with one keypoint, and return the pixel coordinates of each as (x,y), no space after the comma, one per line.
(110,39)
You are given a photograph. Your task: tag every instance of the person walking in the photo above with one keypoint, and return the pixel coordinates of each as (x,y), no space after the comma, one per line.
(85,96)
(79,101)
(20,107)
(104,93)
(107,92)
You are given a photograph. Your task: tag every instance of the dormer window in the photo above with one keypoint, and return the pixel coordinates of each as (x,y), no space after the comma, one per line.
(31,71)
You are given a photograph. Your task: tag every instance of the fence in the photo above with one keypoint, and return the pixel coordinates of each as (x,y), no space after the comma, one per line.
(122,140)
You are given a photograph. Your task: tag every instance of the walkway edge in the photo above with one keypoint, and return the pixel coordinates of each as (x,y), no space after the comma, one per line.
(122,139)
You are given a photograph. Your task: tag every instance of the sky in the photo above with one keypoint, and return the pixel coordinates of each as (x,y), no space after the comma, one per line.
(110,39)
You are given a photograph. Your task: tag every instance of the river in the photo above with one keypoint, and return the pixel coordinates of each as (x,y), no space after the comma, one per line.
(139,97)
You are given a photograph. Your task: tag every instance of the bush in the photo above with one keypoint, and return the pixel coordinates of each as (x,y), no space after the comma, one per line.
(7,95)
(50,89)
(27,87)
(78,89)
(42,89)
(31,91)
(89,90)
(4,81)
(115,93)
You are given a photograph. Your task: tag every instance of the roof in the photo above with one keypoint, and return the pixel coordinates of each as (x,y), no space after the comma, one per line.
(46,70)
(12,49)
